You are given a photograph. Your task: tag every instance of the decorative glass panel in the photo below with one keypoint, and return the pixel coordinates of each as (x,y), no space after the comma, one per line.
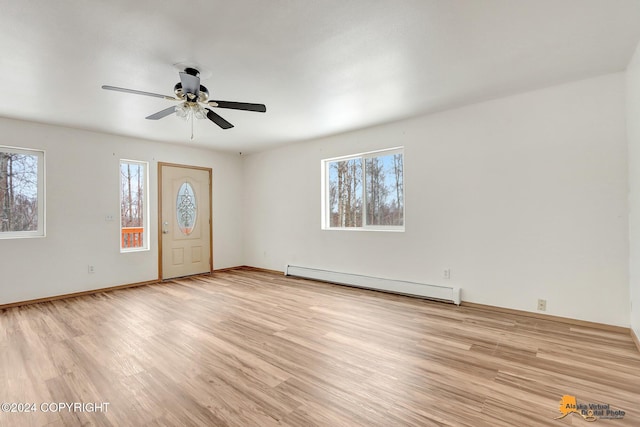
(186,209)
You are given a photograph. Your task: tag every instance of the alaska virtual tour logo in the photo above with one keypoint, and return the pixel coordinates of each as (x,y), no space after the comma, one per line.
(588,411)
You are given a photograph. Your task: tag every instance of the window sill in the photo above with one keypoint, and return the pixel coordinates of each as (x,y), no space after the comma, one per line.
(386,230)
(128,251)
(21,236)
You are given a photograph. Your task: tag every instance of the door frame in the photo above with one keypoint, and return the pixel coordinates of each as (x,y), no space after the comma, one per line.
(177,165)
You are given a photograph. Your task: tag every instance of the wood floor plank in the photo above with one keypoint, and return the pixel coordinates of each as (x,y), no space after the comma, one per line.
(247,347)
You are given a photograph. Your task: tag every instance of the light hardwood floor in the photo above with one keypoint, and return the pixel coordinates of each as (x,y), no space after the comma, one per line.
(249,348)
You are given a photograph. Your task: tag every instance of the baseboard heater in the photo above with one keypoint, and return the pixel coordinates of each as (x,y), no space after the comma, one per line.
(423,290)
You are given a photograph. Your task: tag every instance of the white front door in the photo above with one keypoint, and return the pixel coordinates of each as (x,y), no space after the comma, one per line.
(185,220)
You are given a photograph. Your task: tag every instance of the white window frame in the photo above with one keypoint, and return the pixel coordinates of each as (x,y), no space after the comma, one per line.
(146,242)
(326,214)
(41,231)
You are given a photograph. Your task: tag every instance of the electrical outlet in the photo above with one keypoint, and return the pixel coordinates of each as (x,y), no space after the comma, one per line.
(91,269)
(108,218)
(542,305)
(446,273)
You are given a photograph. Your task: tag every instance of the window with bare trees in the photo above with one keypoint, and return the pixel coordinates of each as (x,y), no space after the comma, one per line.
(21,193)
(364,191)
(134,223)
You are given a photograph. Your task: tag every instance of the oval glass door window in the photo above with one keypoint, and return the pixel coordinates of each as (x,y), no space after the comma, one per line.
(186,209)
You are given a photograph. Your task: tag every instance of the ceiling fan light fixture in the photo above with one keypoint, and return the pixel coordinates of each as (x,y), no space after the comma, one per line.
(199,112)
(190,110)
(182,111)
(195,100)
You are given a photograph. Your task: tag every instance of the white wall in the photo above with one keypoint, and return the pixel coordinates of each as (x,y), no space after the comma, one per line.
(521,197)
(82,182)
(633,134)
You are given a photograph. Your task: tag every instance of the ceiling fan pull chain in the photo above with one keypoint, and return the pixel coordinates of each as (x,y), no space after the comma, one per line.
(192,128)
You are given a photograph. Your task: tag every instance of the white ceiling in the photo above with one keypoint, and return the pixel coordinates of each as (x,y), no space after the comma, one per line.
(321,67)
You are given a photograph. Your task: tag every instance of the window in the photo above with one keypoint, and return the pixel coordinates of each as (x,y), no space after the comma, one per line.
(21,193)
(134,217)
(364,191)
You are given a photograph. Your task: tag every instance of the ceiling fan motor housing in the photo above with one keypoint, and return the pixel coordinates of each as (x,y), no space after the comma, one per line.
(201,96)
(192,72)
(203,93)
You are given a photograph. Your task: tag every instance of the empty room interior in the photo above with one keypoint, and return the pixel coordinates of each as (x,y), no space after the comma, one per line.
(332,213)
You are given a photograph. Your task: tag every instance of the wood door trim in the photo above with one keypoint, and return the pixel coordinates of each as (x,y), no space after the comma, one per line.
(159,210)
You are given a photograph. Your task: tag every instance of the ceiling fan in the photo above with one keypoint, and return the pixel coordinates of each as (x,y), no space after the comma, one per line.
(195,101)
